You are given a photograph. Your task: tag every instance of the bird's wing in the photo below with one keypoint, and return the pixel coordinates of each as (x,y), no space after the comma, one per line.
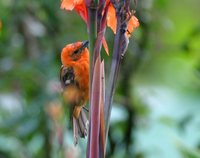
(79,118)
(66,76)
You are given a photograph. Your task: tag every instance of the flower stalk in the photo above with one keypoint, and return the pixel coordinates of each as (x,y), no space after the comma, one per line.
(92,14)
(95,146)
(97,14)
(120,46)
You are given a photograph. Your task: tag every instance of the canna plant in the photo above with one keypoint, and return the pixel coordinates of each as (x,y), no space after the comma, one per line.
(98,14)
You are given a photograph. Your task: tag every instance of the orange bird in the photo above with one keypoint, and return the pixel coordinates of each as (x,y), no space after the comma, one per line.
(74,77)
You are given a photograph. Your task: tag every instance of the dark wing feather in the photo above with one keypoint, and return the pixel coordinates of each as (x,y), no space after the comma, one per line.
(80,124)
(66,76)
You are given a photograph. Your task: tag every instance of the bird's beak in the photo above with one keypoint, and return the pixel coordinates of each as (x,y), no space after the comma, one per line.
(85,44)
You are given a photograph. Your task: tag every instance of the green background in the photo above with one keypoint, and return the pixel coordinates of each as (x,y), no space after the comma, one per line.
(157,102)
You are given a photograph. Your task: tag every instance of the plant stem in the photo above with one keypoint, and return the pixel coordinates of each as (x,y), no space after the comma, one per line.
(120,45)
(112,82)
(92,15)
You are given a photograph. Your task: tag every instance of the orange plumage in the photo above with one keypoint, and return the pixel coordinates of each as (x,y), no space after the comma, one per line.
(80,64)
(74,78)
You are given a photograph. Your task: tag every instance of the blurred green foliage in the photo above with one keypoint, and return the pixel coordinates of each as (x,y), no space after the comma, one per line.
(157,103)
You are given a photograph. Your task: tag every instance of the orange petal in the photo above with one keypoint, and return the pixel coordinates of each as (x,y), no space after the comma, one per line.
(111,18)
(78,5)
(70,4)
(82,11)
(67,4)
(105,46)
(132,24)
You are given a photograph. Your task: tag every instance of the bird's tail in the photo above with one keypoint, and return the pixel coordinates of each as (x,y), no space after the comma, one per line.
(80,126)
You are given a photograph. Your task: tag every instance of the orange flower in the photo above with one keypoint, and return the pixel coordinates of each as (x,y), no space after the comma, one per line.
(111,18)
(112,21)
(79,6)
(132,24)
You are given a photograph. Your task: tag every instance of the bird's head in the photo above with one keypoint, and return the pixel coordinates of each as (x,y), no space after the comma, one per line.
(74,52)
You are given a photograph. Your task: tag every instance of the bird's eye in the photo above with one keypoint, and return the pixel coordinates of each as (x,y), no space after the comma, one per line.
(76,52)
